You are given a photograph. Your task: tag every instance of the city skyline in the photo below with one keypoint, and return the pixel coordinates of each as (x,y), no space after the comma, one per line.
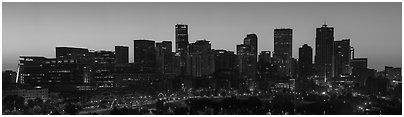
(117,25)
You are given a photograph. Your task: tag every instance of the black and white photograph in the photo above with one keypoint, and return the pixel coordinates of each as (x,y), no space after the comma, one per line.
(201,58)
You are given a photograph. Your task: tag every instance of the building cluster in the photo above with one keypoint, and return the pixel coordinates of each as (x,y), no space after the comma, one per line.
(196,65)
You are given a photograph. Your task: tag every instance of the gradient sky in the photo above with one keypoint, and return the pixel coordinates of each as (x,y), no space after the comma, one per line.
(37,28)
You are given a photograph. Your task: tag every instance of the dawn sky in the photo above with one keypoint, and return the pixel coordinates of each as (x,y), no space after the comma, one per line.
(37,28)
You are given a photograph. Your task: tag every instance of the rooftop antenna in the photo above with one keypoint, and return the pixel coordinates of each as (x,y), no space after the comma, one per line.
(325,21)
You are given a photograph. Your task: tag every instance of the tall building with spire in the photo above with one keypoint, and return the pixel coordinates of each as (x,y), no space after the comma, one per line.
(324,64)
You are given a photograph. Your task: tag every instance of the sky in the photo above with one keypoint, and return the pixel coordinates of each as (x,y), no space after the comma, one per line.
(375,29)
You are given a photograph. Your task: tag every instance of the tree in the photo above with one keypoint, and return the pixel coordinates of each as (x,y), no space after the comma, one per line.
(13,101)
(38,102)
(31,103)
(37,110)
(71,109)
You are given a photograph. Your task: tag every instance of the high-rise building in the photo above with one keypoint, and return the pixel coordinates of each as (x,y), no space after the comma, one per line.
(265,56)
(56,74)
(167,46)
(393,73)
(294,68)
(252,41)
(224,60)
(160,58)
(201,59)
(182,46)
(121,55)
(165,57)
(265,70)
(247,59)
(144,56)
(283,50)
(305,61)
(342,54)
(71,52)
(359,63)
(323,60)
(360,71)
(226,74)
(103,68)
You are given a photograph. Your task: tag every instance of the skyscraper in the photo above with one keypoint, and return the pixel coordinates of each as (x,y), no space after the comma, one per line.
(167,46)
(71,53)
(393,73)
(305,61)
(283,50)
(265,68)
(359,63)
(252,41)
(224,60)
(247,58)
(159,58)
(342,54)
(144,55)
(324,52)
(121,54)
(165,57)
(201,59)
(182,45)
(265,56)
(103,68)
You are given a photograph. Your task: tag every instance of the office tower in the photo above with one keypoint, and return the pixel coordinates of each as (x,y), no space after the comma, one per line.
(360,71)
(144,56)
(283,50)
(226,73)
(169,63)
(159,58)
(122,54)
(294,70)
(342,54)
(103,68)
(265,56)
(358,63)
(102,57)
(71,53)
(56,74)
(28,67)
(200,60)
(181,38)
(165,57)
(224,60)
(182,46)
(252,41)
(305,61)
(323,60)
(265,70)
(393,73)
(247,61)
(167,46)
(244,58)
